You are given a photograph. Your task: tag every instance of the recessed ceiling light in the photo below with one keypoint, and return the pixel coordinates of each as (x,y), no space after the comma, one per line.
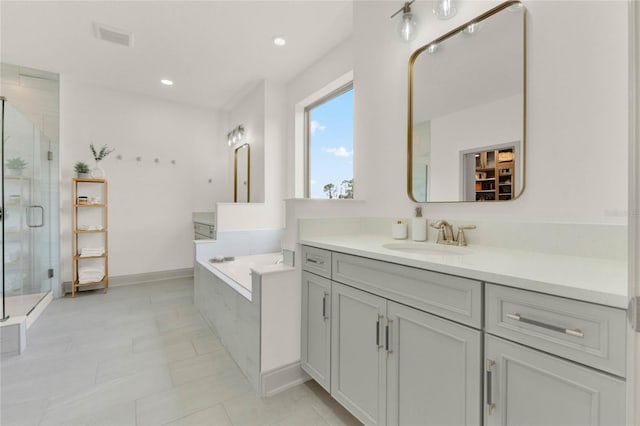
(279,41)
(166,82)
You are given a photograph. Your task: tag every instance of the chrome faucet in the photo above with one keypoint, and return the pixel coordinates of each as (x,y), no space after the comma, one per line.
(445,233)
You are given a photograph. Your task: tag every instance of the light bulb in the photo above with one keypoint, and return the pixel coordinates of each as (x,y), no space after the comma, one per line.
(408,27)
(444,9)
(471,28)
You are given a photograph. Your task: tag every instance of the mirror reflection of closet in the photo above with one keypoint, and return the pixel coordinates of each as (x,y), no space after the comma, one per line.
(491,173)
(242,174)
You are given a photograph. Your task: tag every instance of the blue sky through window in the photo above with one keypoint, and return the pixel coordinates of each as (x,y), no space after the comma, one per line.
(330,144)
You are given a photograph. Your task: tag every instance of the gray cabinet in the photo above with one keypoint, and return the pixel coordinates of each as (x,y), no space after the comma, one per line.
(528,387)
(433,370)
(392,364)
(406,348)
(316,328)
(204,231)
(358,373)
(317,261)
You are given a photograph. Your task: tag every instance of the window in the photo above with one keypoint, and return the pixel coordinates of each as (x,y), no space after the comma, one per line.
(329,145)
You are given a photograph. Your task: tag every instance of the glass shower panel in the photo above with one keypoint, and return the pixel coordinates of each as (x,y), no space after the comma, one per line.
(27,202)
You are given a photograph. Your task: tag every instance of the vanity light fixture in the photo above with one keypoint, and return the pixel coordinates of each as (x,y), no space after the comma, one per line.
(166,82)
(444,9)
(236,135)
(408,26)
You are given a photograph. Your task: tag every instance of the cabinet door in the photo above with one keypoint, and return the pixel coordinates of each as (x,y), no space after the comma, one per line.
(434,370)
(528,387)
(316,328)
(358,358)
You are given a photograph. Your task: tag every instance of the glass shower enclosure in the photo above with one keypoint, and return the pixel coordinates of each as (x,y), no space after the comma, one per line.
(25,213)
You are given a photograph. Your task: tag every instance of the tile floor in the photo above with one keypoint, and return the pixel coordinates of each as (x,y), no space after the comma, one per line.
(142,355)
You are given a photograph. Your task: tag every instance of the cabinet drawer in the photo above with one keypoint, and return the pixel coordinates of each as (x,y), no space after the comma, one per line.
(203,229)
(317,261)
(459,299)
(590,334)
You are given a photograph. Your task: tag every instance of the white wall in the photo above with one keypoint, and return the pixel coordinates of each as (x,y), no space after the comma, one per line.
(576,114)
(150,204)
(263,113)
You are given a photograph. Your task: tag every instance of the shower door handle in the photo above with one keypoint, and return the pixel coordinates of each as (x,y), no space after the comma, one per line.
(29,217)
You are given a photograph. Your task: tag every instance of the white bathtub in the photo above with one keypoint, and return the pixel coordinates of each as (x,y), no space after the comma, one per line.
(237,273)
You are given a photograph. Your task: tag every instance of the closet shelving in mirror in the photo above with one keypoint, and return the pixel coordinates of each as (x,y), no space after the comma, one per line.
(90,243)
(494,175)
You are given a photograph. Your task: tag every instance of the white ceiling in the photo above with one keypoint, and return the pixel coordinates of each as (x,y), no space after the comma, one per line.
(212,50)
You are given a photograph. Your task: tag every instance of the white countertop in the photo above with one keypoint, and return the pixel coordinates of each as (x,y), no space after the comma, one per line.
(602,281)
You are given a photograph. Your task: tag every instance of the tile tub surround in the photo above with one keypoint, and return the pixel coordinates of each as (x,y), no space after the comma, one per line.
(142,355)
(590,279)
(253,305)
(239,243)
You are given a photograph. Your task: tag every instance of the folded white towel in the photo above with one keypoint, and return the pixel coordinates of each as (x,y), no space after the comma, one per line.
(92,251)
(88,274)
(84,227)
(88,269)
(84,279)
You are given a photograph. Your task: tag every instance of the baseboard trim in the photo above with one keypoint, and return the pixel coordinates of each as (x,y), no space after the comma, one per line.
(122,280)
(282,378)
(150,276)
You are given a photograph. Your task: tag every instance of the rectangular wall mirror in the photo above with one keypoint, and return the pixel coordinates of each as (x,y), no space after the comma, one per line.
(466,117)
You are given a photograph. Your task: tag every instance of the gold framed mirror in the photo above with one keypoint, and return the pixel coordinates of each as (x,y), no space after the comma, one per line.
(466,111)
(242,174)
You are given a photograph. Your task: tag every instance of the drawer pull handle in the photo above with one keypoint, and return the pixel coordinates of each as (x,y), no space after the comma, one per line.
(387,343)
(567,331)
(378,333)
(488,369)
(324,306)
(317,262)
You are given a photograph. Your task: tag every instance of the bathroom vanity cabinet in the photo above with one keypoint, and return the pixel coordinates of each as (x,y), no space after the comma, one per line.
(541,385)
(391,363)
(316,337)
(526,386)
(412,346)
(204,231)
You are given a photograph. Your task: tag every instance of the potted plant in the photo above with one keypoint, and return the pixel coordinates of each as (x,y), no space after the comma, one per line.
(97,172)
(15,166)
(81,169)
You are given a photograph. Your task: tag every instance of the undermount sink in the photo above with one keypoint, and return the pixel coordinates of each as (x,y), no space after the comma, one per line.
(427,249)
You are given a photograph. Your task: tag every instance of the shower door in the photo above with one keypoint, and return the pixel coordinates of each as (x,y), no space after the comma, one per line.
(26,203)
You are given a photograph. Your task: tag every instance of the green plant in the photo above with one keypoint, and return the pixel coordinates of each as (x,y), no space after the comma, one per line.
(16,163)
(330,190)
(99,155)
(81,167)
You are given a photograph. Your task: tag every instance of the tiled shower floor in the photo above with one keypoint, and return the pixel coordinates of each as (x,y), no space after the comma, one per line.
(22,304)
(141,355)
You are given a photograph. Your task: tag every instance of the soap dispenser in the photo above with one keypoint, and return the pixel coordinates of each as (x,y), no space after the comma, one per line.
(419,226)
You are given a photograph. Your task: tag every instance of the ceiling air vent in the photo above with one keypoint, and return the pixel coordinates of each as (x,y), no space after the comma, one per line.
(113,35)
